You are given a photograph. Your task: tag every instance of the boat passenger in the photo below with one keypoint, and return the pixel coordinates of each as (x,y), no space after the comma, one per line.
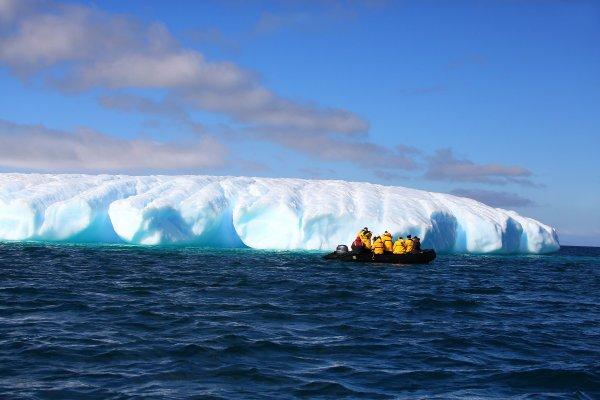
(366,239)
(408,244)
(416,244)
(399,246)
(357,245)
(377,246)
(362,232)
(388,242)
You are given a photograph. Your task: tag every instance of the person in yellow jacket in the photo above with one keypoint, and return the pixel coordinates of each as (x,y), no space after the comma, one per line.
(388,242)
(365,237)
(399,246)
(368,243)
(378,246)
(408,244)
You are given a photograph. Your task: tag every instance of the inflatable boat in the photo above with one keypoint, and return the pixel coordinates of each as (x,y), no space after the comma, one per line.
(342,254)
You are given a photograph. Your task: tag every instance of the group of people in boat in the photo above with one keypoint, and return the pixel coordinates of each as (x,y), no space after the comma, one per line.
(366,242)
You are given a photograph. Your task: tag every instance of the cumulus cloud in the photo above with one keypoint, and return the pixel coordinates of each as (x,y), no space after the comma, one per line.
(444,166)
(494,198)
(82,47)
(167,107)
(78,47)
(362,153)
(260,108)
(131,103)
(35,147)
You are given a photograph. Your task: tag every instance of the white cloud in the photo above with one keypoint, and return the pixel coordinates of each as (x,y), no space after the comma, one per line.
(35,147)
(82,47)
(364,154)
(444,166)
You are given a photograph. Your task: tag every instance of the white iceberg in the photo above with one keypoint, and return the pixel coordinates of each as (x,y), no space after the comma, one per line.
(259,213)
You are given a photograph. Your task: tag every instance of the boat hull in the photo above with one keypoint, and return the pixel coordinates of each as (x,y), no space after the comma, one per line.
(422,257)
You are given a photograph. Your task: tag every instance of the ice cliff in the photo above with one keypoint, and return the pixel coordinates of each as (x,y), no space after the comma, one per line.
(256,212)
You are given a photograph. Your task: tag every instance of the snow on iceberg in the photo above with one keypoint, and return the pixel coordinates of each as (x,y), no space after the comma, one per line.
(260,213)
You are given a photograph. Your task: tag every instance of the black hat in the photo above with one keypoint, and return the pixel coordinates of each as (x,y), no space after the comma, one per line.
(408,236)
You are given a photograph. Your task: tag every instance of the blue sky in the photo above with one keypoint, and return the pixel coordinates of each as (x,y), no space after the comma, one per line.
(496,100)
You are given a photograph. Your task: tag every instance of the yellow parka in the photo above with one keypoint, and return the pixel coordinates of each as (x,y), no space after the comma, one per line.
(408,245)
(388,243)
(366,239)
(399,246)
(378,246)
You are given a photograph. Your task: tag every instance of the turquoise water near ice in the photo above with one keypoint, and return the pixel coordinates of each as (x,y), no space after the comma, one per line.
(120,322)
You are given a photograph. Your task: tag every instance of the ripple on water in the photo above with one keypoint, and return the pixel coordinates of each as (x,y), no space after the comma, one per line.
(127,322)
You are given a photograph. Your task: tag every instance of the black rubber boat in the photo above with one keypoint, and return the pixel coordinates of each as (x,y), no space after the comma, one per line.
(342,254)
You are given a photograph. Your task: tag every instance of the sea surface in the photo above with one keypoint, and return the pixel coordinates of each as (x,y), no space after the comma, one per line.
(120,322)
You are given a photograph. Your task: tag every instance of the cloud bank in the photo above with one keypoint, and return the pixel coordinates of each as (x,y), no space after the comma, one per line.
(74,48)
(81,48)
(444,166)
(494,198)
(35,147)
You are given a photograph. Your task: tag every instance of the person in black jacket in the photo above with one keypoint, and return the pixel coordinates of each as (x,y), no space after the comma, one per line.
(416,244)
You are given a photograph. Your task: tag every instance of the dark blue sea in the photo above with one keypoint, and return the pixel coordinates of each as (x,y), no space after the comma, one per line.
(119,322)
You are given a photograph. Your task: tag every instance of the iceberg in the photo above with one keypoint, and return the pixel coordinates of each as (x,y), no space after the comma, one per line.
(261,213)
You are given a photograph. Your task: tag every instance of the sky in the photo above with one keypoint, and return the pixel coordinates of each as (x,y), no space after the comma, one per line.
(493,100)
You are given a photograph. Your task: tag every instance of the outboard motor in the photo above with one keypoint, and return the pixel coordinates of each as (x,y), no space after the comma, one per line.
(341,249)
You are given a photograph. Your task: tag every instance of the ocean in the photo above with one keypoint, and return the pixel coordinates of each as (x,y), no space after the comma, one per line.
(121,322)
